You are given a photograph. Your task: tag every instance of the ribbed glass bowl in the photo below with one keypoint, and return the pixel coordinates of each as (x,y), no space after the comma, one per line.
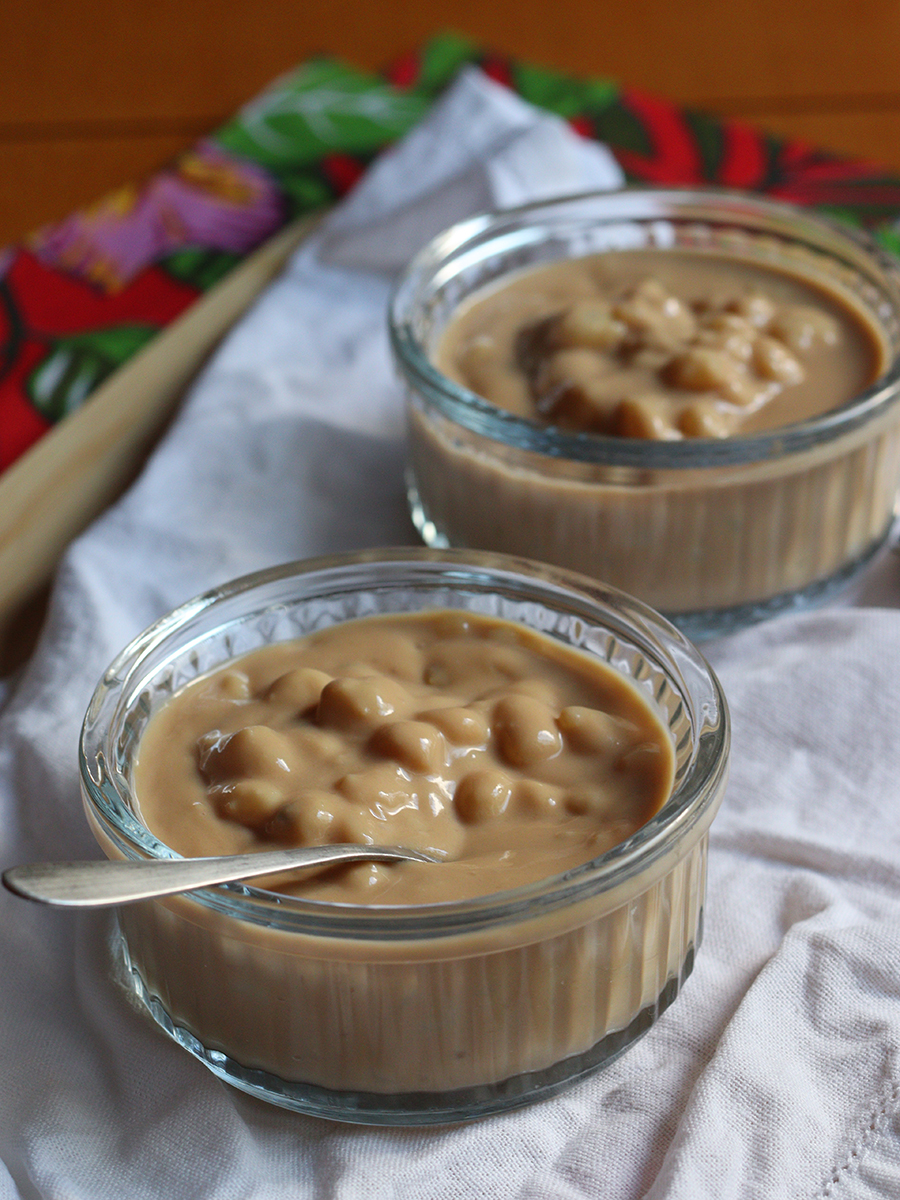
(437,1012)
(715,533)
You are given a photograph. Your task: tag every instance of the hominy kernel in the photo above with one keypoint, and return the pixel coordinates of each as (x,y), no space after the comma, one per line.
(298,689)
(649,358)
(582,407)
(801,328)
(589,323)
(525,730)
(357,826)
(398,657)
(702,369)
(745,390)
(307,819)
(459,725)
(247,801)
(536,798)
(416,745)
(735,340)
(660,317)
(437,675)
(589,730)
(773,360)
(757,309)
(575,366)
(464,659)
(254,752)
(647,417)
(506,662)
(482,795)
(317,745)
(361,703)
(705,419)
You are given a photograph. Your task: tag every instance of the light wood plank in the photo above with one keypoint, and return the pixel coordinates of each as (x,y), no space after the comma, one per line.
(54,490)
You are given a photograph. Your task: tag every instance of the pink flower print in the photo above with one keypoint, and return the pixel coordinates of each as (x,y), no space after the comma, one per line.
(207,198)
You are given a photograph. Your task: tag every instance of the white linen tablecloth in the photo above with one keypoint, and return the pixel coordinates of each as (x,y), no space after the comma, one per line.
(775,1074)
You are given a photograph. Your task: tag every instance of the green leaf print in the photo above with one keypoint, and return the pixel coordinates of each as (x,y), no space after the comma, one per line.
(441,59)
(199,266)
(324,107)
(76,364)
(561,95)
(305,191)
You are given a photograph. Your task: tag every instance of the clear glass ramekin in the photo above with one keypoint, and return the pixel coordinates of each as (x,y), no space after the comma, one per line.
(715,533)
(439,1012)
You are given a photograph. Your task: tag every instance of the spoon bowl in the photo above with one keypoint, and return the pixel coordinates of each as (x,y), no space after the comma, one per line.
(98,882)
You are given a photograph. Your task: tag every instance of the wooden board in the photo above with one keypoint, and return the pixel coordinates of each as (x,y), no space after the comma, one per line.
(99,92)
(54,490)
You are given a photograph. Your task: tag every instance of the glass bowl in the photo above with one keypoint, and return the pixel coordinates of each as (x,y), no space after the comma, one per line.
(436,1012)
(714,532)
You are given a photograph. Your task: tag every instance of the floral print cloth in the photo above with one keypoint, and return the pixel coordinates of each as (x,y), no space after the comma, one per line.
(81,297)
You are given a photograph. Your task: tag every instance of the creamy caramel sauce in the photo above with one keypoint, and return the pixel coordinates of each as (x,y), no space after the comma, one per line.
(510,755)
(662,344)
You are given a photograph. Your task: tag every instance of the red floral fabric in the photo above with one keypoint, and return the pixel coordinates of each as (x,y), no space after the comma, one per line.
(82,297)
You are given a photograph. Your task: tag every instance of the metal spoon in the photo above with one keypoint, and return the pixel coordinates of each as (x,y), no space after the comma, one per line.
(102,881)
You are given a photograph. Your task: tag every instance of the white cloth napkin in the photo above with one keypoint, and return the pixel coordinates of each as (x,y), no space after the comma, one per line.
(775,1074)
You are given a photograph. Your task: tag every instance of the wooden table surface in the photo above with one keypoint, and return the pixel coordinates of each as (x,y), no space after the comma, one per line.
(95,93)
(98,93)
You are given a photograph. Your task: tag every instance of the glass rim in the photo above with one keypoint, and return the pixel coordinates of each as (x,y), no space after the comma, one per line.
(715,206)
(656,639)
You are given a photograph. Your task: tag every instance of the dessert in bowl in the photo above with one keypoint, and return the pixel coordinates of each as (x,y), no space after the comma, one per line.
(690,395)
(558,746)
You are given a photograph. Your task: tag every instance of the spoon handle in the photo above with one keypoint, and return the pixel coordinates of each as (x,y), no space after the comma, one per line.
(104,881)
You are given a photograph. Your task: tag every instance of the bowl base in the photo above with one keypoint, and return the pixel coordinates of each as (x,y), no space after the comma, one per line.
(697,624)
(704,624)
(407,1108)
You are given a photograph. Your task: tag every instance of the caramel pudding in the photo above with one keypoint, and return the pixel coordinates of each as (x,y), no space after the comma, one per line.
(499,750)
(690,396)
(662,344)
(519,721)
